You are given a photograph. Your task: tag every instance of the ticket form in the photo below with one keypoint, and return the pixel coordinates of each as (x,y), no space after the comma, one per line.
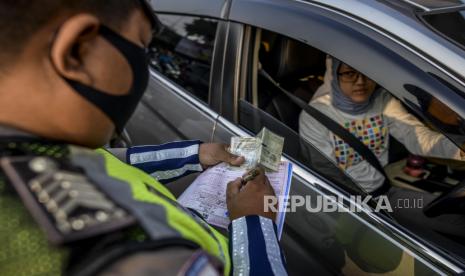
(207,194)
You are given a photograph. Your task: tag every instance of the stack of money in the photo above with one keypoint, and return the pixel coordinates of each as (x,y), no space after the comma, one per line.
(249,147)
(265,149)
(272,149)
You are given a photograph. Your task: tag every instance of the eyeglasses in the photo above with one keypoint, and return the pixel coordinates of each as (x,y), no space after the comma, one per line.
(350,76)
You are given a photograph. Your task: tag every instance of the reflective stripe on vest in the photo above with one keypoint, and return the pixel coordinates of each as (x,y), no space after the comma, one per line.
(147,190)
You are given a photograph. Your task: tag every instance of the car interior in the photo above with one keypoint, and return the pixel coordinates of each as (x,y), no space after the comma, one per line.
(299,69)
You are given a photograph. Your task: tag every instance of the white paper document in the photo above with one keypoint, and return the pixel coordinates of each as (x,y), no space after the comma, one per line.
(207,194)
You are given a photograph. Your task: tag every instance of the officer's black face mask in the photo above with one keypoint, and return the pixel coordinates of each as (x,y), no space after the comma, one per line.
(119,108)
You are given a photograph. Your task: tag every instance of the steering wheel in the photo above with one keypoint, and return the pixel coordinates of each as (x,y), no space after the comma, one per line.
(450,202)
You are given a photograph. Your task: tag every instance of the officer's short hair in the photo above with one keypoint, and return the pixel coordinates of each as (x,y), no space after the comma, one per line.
(20,19)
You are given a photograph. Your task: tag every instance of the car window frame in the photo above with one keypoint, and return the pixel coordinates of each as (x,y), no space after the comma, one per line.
(206,8)
(412,59)
(297,7)
(250,63)
(366,31)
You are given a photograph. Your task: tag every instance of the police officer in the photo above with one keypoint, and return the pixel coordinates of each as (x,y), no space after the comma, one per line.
(71,73)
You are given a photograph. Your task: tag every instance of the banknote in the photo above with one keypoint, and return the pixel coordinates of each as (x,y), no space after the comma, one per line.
(264,149)
(272,149)
(249,148)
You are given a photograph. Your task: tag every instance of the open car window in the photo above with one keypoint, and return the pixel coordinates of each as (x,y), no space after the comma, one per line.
(265,106)
(300,69)
(398,135)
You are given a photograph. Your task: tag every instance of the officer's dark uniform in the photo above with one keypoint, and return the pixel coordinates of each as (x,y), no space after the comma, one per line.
(88,220)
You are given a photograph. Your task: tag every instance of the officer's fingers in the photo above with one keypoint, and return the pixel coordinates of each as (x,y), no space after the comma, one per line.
(268,186)
(257,185)
(235,160)
(259,175)
(257,170)
(233,188)
(261,184)
(230,158)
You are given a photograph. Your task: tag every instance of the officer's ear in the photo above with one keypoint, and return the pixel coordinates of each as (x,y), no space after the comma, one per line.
(73,41)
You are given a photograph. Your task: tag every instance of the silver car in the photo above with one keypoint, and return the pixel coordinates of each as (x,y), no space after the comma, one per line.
(205,84)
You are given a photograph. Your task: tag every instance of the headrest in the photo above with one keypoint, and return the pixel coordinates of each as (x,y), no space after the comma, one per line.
(290,60)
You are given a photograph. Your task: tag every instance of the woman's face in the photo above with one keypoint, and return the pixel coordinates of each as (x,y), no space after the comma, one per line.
(354,85)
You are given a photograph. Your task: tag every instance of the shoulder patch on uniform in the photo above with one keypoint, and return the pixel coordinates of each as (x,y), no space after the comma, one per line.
(63,201)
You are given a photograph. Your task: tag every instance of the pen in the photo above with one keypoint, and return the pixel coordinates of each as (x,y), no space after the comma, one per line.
(250,176)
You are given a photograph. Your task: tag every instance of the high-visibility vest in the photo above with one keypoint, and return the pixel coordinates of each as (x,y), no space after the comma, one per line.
(25,249)
(179,221)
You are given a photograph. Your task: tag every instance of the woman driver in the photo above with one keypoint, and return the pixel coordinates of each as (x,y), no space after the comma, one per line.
(371,114)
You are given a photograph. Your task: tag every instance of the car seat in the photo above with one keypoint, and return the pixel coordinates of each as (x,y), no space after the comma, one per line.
(288,61)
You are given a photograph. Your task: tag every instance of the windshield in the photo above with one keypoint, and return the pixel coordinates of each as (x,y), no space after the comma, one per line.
(435,4)
(449,24)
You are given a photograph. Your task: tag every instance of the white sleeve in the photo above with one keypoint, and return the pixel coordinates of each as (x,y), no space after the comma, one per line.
(316,134)
(415,136)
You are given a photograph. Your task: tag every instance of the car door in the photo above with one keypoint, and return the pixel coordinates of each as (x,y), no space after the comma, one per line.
(176,105)
(348,242)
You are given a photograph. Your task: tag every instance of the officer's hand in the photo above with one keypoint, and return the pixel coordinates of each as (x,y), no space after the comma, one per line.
(250,199)
(211,154)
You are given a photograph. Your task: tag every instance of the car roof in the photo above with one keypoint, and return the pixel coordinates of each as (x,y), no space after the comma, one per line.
(401,19)
(398,18)
(432,5)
